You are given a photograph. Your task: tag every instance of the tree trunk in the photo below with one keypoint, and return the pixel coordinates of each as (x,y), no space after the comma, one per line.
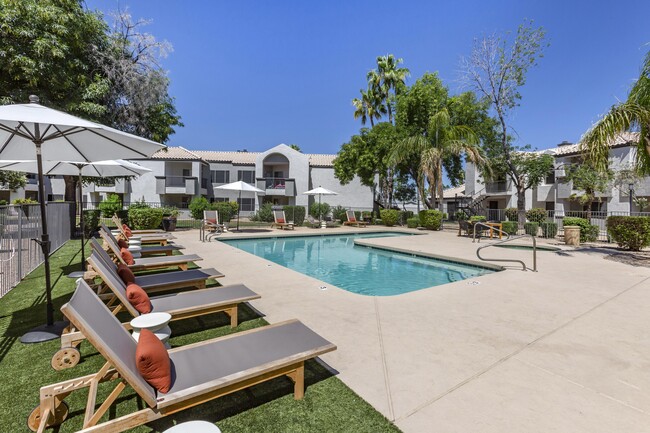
(521,206)
(440,187)
(70,188)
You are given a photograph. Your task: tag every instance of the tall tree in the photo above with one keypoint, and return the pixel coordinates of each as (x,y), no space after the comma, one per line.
(497,69)
(369,107)
(12,179)
(590,181)
(387,80)
(630,115)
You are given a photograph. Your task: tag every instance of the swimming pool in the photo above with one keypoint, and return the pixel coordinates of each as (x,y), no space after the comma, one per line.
(335,259)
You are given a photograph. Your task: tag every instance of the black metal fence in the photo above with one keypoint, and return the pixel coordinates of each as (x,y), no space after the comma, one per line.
(19,225)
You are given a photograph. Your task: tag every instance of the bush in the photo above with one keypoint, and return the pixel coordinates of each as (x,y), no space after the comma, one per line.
(110,206)
(431,219)
(413,223)
(461,215)
(536,215)
(25,201)
(631,233)
(477,218)
(531,228)
(224,210)
(338,213)
(264,213)
(145,218)
(512,213)
(197,206)
(319,210)
(168,211)
(139,204)
(404,215)
(549,229)
(91,221)
(390,217)
(234,207)
(123,215)
(295,214)
(588,232)
(510,227)
(366,215)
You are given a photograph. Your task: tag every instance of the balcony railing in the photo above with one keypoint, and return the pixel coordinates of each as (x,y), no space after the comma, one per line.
(277,185)
(176,185)
(499,187)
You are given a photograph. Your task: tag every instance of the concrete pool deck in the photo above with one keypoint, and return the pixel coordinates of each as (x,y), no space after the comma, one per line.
(563,349)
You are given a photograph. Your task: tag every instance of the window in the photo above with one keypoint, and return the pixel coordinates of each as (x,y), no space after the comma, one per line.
(247,176)
(246,204)
(550,178)
(220,176)
(187,172)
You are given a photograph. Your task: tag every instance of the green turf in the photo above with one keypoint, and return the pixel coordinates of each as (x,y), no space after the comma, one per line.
(328,406)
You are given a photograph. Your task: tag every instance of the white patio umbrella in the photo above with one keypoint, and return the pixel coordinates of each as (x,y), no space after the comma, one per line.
(239,186)
(110,168)
(320,191)
(32,129)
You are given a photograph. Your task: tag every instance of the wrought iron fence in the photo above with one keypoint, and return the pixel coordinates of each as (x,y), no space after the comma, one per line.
(19,225)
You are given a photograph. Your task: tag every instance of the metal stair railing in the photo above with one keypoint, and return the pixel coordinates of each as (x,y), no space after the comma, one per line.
(507,239)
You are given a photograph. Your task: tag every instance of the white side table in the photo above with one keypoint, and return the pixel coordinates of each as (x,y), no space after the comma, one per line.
(154,322)
(194,427)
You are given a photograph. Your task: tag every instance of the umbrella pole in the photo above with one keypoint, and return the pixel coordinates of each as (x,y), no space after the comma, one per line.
(81,224)
(50,330)
(238,210)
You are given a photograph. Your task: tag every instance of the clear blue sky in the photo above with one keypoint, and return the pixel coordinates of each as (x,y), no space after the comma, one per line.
(255,74)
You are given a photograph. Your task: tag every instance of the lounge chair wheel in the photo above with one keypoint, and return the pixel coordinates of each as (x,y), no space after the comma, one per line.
(65,358)
(60,415)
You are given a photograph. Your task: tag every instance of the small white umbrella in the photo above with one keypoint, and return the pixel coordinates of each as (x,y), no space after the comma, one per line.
(239,186)
(110,168)
(320,191)
(32,129)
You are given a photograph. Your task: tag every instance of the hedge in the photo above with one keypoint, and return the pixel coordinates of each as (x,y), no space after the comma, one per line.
(295,214)
(510,227)
(264,213)
(390,217)
(91,221)
(549,229)
(197,206)
(431,219)
(338,213)
(224,210)
(319,210)
(110,206)
(512,213)
(631,233)
(531,228)
(145,218)
(404,215)
(413,223)
(588,232)
(536,215)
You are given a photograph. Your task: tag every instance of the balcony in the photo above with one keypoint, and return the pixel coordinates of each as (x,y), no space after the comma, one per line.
(277,186)
(119,186)
(176,185)
(496,188)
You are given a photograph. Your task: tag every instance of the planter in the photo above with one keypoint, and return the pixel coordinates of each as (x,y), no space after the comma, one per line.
(169,224)
(572,235)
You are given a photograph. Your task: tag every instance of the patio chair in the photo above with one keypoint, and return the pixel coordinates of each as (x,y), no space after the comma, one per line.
(201,371)
(280,221)
(352,220)
(479,230)
(463,226)
(118,222)
(210,226)
(312,222)
(149,263)
(148,238)
(180,305)
(145,250)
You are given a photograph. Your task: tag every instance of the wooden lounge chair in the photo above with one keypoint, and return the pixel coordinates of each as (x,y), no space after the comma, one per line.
(118,222)
(145,250)
(180,305)
(352,220)
(211,227)
(161,238)
(280,221)
(202,371)
(149,263)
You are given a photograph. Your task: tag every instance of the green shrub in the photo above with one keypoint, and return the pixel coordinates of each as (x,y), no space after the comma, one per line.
(431,219)
(631,233)
(234,207)
(366,215)
(512,213)
(549,229)
(536,215)
(110,206)
(460,215)
(531,228)
(338,213)
(3,202)
(390,217)
(197,206)
(91,221)
(477,218)
(139,204)
(377,221)
(25,201)
(123,215)
(145,218)
(319,210)
(224,210)
(169,211)
(588,232)
(510,227)
(264,213)
(413,223)
(404,215)
(295,214)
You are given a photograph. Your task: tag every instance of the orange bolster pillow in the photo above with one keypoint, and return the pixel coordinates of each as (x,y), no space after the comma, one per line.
(127,256)
(152,361)
(138,298)
(125,274)
(122,243)
(280,220)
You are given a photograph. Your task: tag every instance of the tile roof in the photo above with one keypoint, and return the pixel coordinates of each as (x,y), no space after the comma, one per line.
(321,160)
(176,153)
(452,192)
(621,140)
(245,158)
(233,157)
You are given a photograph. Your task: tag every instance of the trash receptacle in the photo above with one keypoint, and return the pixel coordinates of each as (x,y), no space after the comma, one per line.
(572,235)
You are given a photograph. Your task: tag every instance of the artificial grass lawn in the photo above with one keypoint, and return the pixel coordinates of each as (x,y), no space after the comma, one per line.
(328,405)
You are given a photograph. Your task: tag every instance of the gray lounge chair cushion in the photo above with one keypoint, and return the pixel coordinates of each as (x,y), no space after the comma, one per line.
(202,299)
(169,278)
(154,261)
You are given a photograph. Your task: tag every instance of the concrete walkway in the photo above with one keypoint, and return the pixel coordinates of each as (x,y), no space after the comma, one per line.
(566,349)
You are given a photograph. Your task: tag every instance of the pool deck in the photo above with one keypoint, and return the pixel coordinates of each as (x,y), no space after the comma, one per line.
(563,349)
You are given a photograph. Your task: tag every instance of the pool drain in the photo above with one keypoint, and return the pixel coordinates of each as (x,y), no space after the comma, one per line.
(323,287)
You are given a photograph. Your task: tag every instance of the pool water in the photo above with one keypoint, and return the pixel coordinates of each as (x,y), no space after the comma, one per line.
(335,259)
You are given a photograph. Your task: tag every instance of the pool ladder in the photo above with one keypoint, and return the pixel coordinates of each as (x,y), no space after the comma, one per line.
(507,239)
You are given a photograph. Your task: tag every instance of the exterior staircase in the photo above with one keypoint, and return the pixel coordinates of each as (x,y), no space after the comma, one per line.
(474,206)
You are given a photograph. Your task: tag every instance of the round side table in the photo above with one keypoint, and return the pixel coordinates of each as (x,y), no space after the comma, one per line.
(154,322)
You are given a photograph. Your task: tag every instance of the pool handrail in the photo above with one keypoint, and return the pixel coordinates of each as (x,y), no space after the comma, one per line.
(507,239)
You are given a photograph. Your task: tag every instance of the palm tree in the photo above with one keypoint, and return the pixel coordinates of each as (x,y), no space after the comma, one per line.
(630,115)
(388,76)
(442,140)
(369,107)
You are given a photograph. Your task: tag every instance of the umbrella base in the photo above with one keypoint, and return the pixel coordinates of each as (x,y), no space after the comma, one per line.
(44,333)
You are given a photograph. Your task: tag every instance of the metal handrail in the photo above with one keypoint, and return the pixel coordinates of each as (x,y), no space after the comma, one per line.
(508,239)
